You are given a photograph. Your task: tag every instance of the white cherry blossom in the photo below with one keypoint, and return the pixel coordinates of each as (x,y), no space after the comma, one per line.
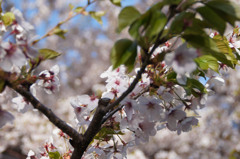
(182,59)
(5,117)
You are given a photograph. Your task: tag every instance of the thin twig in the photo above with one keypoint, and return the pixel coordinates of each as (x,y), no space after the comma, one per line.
(70,16)
(108,115)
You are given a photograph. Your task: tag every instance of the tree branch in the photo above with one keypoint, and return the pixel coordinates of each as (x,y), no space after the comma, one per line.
(47,112)
(93,128)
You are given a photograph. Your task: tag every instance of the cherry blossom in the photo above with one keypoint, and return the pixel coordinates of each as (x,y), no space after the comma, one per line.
(83,106)
(49,80)
(5,117)
(182,59)
(145,130)
(150,107)
(186,124)
(22,105)
(173,116)
(11,56)
(129,107)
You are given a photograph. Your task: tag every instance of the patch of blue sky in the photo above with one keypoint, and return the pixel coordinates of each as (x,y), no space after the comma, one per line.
(203,80)
(94,54)
(129,2)
(102,37)
(71,56)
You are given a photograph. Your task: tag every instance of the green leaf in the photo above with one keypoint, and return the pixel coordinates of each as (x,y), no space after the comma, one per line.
(157,24)
(48,54)
(116,2)
(201,41)
(223,46)
(172,2)
(59,32)
(2,85)
(172,76)
(124,52)
(226,6)
(71,6)
(148,24)
(197,27)
(107,133)
(127,16)
(54,155)
(212,18)
(193,83)
(8,18)
(134,29)
(97,16)
(207,61)
(187,4)
(226,17)
(235,154)
(222,58)
(78,9)
(181,22)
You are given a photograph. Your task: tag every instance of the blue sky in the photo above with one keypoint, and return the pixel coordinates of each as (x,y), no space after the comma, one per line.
(54,18)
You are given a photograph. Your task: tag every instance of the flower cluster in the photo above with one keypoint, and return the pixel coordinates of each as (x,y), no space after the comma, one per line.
(146,109)
(14,53)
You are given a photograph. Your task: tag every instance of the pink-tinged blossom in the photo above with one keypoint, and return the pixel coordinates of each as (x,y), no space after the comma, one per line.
(2,27)
(83,105)
(31,155)
(19,18)
(182,79)
(11,56)
(159,50)
(133,123)
(199,102)
(215,82)
(129,106)
(165,95)
(173,116)
(59,133)
(22,104)
(118,84)
(143,83)
(186,124)
(5,117)
(49,80)
(49,146)
(94,151)
(179,93)
(145,130)
(110,73)
(119,152)
(234,42)
(150,107)
(182,59)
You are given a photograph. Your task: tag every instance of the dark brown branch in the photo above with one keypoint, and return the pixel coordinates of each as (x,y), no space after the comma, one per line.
(47,112)
(93,128)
